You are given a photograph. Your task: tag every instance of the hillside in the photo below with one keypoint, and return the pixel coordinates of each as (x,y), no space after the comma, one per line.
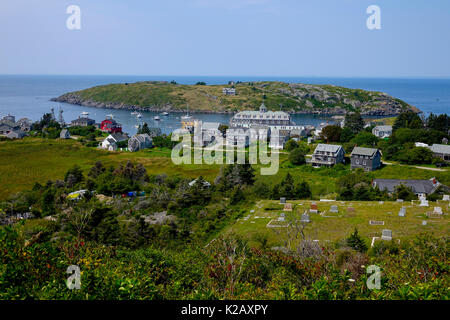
(292,97)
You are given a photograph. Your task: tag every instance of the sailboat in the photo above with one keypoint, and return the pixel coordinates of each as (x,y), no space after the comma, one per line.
(165,113)
(187,116)
(134,113)
(156,118)
(139,115)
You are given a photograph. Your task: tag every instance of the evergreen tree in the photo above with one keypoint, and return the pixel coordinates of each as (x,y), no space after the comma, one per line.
(356,242)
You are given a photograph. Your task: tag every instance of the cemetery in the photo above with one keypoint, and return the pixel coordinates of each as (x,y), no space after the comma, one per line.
(370,219)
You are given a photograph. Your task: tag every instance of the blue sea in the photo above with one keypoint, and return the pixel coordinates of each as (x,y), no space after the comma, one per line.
(29,95)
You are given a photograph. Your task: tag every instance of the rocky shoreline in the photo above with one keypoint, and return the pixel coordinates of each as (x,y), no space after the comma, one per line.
(75,99)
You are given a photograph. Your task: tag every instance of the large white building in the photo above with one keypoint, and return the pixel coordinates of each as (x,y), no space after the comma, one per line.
(279,119)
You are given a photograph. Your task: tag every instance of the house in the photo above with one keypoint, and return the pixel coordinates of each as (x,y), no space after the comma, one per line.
(24,124)
(110,125)
(9,118)
(327,155)
(7,127)
(65,134)
(16,134)
(368,159)
(82,122)
(139,142)
(421,188)
(279,142)
(441,151)
(382,131)
(209,132)
(110,143)
(205,183)
(229,91)
(237,137)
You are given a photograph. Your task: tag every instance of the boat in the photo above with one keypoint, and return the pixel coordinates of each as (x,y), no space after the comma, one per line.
(85,113)
(165,113)
(134,113)
(187,116)
(156,118)
(139,115)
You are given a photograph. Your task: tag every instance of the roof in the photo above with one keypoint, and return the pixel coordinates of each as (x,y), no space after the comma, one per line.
(83,120)
(384,128)
(142,137)
(418,186)
(118,136)
(440,148)
(328,148)
(364,151)
(16,133)
(210,125)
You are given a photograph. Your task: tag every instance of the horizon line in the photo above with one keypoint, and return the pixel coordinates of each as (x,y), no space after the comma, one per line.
(230,76)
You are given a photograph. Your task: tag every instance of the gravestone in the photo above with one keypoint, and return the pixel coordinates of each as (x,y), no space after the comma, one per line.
(386,234)
(437,210)
(402,212)
(281,219)
(376,223)
(399,200)
(287,207)
(380,202)
(424,223)
(282,214)
(282,200)
(446,197)
(305,217)
(350,209)
(423,203)
(313,208)
(334,209)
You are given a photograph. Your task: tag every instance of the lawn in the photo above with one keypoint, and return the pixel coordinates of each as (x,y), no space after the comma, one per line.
(24,162)
(326,226)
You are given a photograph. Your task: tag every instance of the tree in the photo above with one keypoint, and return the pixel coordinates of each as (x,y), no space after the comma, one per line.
(332,133)
(416,155)
(200,83)
(346,134)
(303,191)
(144,129)
(365,139)
(287,189)
(74,176)
(297,157)
(356,242)
(290,145)
(407,119)
(354,122)
(405,193)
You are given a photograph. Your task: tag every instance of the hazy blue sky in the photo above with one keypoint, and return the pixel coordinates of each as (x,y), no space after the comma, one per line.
(226,37)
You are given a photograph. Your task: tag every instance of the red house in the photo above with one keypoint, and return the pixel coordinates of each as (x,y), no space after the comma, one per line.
(110,125)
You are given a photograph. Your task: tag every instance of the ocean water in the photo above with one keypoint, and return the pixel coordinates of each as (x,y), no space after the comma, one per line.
(29,96)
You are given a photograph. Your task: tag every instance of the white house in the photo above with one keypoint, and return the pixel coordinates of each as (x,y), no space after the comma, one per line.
(382,131)
(110,143)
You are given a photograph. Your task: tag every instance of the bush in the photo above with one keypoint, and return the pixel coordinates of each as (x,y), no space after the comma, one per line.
(297,157)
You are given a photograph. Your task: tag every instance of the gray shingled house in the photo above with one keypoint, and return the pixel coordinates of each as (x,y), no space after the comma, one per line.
(419,187)
(327,155)
(368,159)
(441,151)
(139,142)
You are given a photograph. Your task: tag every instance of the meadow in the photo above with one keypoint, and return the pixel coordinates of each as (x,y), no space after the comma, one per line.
(30,160)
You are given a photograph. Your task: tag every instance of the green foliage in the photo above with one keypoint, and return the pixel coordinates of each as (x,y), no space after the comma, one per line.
(356,242)
(409,120)
(332,133)
(354,122)
(297,156)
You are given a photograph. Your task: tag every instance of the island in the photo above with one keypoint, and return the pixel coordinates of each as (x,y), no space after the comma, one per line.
(289,97)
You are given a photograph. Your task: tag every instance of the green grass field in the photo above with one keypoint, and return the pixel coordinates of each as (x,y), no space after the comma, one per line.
(24,162)
(332,226)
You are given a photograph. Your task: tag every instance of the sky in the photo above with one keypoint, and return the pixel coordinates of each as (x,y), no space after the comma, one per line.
(323,38)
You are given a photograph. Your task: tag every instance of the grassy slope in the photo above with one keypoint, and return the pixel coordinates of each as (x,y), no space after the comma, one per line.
(24,162)
(211,98)
(339,226)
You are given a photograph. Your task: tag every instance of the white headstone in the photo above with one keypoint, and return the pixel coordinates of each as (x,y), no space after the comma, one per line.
(402,212)
(282,200)
(437,210)
(399,200)
(281,219)
(424,223)
(423,203)
(305,217)
(334,209)
(446,197)
(386,234)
